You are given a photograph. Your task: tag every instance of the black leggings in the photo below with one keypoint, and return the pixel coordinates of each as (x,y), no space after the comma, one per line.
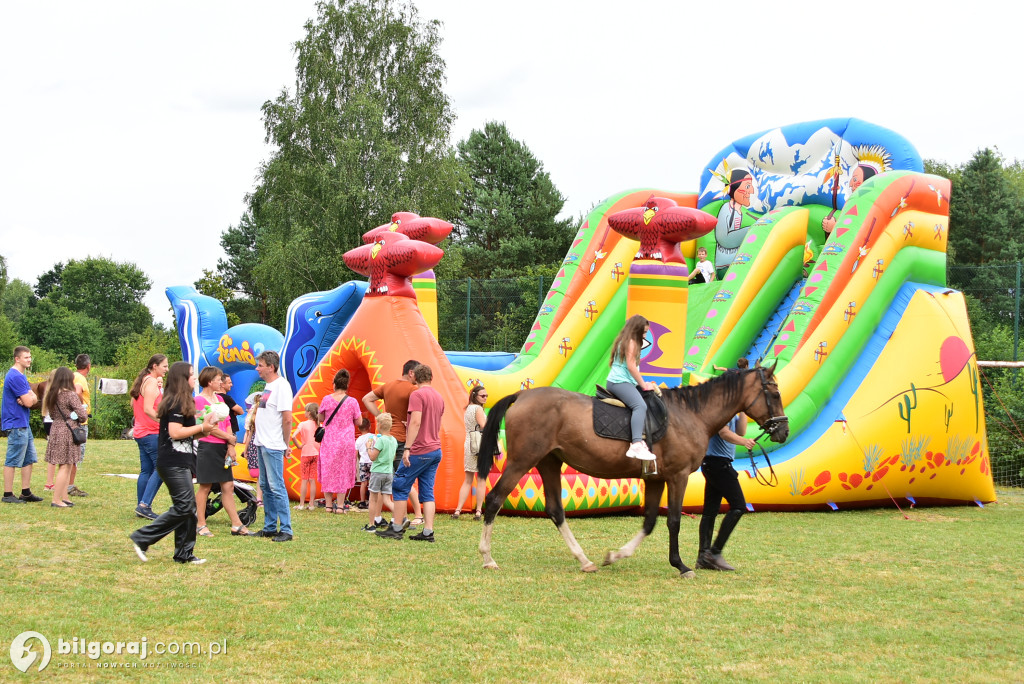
(720,481)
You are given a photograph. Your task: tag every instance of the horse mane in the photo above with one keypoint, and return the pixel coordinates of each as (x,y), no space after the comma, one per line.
(696,397)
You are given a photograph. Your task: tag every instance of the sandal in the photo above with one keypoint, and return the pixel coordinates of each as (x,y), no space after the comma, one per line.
(207,533)
(456,514)
(242,531)
(416,521)
(478,516)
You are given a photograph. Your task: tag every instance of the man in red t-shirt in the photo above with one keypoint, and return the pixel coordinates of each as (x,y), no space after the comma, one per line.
(420,462)
(396,402)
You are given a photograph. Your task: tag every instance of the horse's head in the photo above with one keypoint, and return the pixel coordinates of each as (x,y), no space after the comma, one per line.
(764,402)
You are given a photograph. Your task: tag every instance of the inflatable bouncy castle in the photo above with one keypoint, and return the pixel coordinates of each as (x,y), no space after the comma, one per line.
(828,245)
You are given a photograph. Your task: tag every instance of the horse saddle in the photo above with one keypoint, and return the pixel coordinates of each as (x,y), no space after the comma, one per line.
(611,417)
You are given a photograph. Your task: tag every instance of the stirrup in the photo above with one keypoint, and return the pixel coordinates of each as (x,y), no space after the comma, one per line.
(648,468)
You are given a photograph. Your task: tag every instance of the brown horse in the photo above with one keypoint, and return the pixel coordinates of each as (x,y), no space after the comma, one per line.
(547,427)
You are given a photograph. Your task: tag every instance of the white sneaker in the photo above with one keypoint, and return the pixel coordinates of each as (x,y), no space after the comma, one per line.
(640,452)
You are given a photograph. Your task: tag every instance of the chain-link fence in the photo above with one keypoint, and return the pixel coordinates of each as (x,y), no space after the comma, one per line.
(488,315)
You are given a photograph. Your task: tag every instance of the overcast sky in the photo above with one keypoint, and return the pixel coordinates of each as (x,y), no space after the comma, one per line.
(133,131)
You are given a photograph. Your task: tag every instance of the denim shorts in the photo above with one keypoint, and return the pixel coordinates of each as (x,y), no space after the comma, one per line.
(380,483)
(422,467)
(21,449)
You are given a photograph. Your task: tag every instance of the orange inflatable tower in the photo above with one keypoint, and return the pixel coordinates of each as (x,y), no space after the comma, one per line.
(386,331)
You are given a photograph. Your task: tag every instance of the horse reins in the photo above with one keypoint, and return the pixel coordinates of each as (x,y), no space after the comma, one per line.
(772,480)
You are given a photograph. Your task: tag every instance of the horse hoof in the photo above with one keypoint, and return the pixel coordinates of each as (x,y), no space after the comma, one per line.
(689,574)
(589,567)
(609,558)
(491,566)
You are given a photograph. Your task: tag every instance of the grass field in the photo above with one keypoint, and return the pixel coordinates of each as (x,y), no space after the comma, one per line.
(847,596)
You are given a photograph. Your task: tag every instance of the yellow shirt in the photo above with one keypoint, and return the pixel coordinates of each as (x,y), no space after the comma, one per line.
(81,382)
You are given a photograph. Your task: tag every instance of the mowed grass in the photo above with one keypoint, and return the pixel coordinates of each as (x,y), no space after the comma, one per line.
(847,596)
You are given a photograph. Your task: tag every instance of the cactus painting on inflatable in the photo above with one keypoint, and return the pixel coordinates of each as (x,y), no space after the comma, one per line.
(830,244)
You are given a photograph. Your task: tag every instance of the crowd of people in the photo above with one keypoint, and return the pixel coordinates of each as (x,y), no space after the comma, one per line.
(186,437)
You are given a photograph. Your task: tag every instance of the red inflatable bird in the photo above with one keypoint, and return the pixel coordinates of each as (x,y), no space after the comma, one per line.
(390,261)
(414,226)
(660,225)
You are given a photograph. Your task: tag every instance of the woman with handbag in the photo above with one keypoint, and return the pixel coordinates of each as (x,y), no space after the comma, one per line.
(475,421)
(62,449)
(339,415)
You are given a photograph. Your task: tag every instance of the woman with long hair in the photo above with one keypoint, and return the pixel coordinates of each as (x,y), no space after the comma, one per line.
(146,393)
(176,459)
(213,465)
(67,410)
(339,415)
(475,420)
(625,382)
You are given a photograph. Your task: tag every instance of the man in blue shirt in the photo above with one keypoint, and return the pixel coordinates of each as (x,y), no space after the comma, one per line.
(721,480)
(18,398)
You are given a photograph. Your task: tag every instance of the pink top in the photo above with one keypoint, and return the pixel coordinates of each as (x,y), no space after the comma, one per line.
(304,438)
(429,403)
(144,425)
(203,406)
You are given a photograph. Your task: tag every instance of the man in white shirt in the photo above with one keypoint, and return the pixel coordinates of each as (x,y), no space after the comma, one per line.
(273,431)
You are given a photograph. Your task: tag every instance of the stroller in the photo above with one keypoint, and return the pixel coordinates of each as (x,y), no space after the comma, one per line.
(245,501)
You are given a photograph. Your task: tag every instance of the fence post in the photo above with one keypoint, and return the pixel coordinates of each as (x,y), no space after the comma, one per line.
(1016,312)
(469,285)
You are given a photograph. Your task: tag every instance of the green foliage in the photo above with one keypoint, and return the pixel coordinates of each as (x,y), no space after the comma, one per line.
(87,305)
(509,210)
(238,271)
(365,134)
(134,351)
(64,332)
(212,285)
(9,338)
(986,212)
(17,298)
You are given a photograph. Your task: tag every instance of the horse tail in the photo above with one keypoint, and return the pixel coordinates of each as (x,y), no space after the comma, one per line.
(489,438)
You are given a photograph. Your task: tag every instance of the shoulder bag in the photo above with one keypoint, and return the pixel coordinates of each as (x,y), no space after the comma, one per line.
(78,433)
(318,436)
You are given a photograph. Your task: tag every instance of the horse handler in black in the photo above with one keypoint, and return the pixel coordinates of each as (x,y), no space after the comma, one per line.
(721,481)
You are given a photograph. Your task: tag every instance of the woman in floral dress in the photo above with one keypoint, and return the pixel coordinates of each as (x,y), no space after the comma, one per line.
(337,463)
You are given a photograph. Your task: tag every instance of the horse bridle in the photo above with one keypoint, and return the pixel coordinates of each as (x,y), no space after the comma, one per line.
(775,422)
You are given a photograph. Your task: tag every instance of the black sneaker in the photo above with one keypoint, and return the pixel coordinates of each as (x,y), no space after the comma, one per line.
(423,537)
(30,497)
(12,499)
(369,528)
(390,533)
(270,534)
(282,537)
(382,524)
(362,505)
(145,512)
(191,561)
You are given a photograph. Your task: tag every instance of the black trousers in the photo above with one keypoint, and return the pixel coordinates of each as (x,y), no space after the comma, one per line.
(720,481)
(180,518)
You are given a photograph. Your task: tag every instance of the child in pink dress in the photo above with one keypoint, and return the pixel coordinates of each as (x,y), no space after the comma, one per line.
(309,452)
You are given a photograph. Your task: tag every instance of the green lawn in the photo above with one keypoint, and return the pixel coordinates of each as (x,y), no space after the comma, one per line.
(848,596)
